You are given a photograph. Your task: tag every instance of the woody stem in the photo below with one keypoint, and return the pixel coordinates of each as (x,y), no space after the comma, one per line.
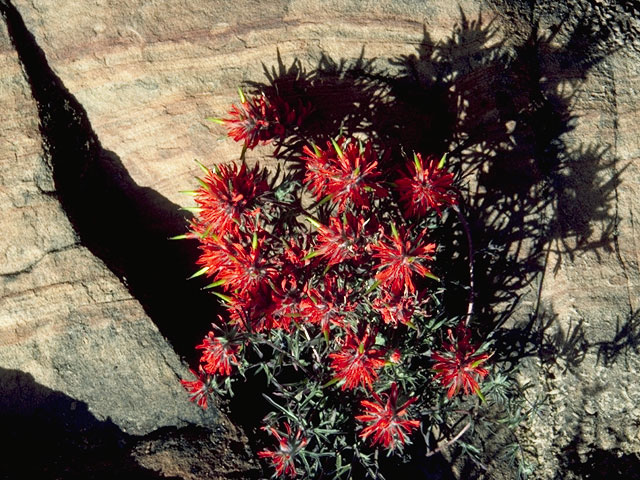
(467,231)
(450,442)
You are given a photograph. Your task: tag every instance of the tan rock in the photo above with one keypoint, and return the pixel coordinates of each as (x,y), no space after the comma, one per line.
(147,74)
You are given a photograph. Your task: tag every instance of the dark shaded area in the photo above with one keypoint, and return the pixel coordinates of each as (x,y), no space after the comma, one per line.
(625,342)
(610,464)
(47,434)
(501,108)
(125,225)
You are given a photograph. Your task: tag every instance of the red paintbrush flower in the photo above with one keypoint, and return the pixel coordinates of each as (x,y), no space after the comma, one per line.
(286,295)
(327,306)
(283,459)
(386,423)
(294,255)
(427,186)
(342,239)
(199,389)
(227,198)
(357,362)
(251,311)
(400,258)
(246,267)
(260,119)
(346,172)
(458,366)
(395,308)
(219,354)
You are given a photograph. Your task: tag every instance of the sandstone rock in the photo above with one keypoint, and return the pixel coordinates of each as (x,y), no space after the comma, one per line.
(80,357)
(538,103)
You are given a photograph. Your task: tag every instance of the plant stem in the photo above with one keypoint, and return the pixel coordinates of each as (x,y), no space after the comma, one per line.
(450,442)
(467,231)
(306,334)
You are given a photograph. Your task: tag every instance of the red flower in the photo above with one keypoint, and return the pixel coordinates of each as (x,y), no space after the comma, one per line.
(228,198)
(400,258)
(259,119)
(283,458)
(345,172)
(395,356)
(252,311)
(218,354)
(386,423)
(395,308)
(458,366)
(341,239)
(293,257)
(199,389)
(286,297)
(245,269)
(357,362)
(326,307)
(427,186)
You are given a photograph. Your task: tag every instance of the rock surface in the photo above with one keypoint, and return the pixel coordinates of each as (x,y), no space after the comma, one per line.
(85,374)
(538,104)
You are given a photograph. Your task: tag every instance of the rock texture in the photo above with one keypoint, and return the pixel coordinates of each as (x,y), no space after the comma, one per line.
(106,104)
(84,369)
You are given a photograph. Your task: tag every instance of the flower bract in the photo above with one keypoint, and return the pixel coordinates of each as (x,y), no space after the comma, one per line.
(387,422)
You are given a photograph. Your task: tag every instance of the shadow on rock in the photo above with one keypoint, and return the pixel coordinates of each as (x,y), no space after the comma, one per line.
(502,110)
(125,225)
(50,435)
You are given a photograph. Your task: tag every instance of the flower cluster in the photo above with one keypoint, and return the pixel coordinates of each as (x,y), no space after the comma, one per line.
(333,287)
(458,365)
(258,120)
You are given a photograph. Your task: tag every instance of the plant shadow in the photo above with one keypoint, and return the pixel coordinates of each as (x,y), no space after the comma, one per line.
(503,111)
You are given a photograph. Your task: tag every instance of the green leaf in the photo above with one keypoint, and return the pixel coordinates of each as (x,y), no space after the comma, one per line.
(310,255)
(443,160)
(216,120)
(242,97)
(313,222)
(416,162)
(222,296)
(337,148)
(288,413)
(333,381)
(192,209)
(432,276)
(203,168)
(203,184)
(324,200)
(394,230)
(179,237)
(200,272)
(217,283)
(373,286)
(480,396)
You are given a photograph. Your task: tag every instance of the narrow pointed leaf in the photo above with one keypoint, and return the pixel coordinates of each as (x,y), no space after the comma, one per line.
(217,283)
(337,148)
(200,272)
(443,160)
(222,296)
(202,167)
(216,120)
